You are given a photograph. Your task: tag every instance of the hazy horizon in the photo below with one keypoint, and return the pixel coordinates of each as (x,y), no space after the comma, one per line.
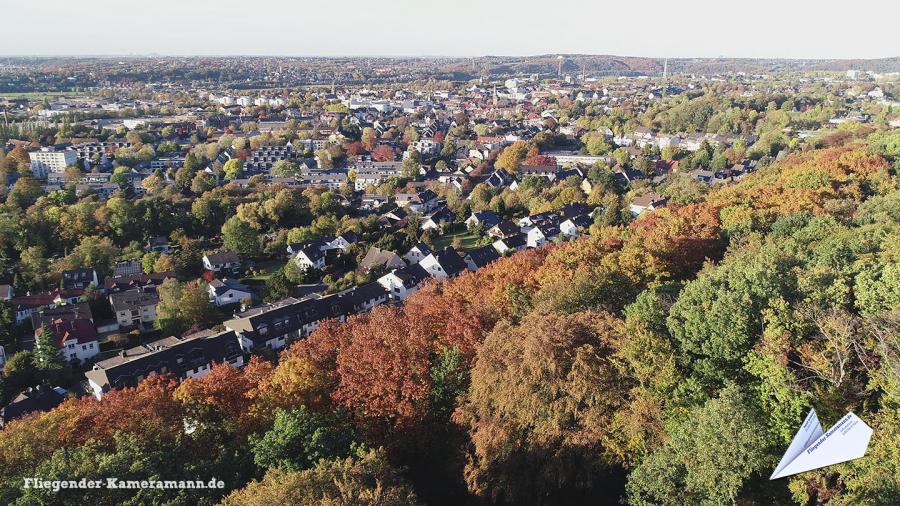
(354,28)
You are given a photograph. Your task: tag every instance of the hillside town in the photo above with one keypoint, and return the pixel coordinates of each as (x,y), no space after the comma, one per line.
(162,227)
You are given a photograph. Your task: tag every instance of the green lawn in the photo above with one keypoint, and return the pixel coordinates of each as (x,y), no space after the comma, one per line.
(467,240)
(39,95)
(266,269)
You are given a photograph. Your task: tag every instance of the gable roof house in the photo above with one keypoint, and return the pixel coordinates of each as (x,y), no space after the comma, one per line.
(32,400)
(79,278)
(481,257)
(498,179)
(294,248)
(127,282)
(574,227)
(393,218)
(377,258)
(228,291)
(648,201)
(365,297)
(188,357)
(344,240)
(504,229)
(417,253)
(401,283)
(222,261)
(420,202)
(541,234)
(76,338)
(310,257)
(517,242)
(443,264)
(486,219)
(437,219)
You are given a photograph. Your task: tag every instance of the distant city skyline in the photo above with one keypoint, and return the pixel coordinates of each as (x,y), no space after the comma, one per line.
(464,28)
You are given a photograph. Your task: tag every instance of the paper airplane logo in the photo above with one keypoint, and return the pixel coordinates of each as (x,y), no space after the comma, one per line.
(813,448)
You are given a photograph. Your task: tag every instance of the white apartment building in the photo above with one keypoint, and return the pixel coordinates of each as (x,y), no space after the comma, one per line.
(49,160)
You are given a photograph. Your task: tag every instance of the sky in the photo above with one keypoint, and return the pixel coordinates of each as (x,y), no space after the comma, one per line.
(653,28)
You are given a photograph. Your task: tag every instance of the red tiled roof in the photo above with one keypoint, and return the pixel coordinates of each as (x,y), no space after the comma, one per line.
(82,329)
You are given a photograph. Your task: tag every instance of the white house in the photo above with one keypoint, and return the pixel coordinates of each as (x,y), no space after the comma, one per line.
(541,234)
(75,338)
(222,261)
(310,257)
(443,264)
(417,253)
(401,283)
(343,241)
(227,291)
(574,227)
(646,202)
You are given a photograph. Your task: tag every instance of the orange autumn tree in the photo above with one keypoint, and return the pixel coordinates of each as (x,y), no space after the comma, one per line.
(384,370)
(540,398)
(226,397)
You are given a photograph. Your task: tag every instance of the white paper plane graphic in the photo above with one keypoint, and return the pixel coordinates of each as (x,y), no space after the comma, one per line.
(813,448)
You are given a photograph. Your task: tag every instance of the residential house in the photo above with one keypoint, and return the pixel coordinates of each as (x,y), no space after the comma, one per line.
(39,399)
(128,282)
(498,179)
(377,258)
(127,268)
(75,337)
(443,264)
(310,257)
(343,241)
(401,283)
(135,308)
(189,357)
(26,305)
(417,253)
(274,325)
(574,227)
(541,234)
(396,218)
(648,201)
(372,202)
(365,297)
(421,202)
(223,261)
(79,278)
(513,243)
(504,229)
(481,257)
(7,292)
(440,217)
(485,219)
(228,291)
(158,244)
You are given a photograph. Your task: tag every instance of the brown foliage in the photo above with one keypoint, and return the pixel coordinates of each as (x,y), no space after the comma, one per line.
(541,397)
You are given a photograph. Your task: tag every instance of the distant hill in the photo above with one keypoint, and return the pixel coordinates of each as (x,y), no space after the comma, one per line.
(628,65)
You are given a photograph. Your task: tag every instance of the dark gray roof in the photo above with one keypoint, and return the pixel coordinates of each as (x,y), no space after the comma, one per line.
(195,350)
(483,256)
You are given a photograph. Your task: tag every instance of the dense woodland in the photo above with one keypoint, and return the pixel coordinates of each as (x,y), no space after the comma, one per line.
(666,361)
